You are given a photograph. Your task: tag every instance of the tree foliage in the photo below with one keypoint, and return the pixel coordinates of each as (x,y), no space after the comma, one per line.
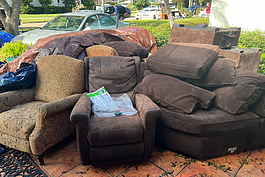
(26,6)
(69,4)
(88,4)
(11,20)
(140,4)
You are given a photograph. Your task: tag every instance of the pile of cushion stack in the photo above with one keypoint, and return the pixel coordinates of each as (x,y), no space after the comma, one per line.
(210,106)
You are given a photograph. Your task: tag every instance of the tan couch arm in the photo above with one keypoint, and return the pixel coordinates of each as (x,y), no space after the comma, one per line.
(52,124)
(12,98)
(149,113)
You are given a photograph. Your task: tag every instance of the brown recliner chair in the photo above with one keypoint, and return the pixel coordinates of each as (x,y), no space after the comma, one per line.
(33,120)
(119,139)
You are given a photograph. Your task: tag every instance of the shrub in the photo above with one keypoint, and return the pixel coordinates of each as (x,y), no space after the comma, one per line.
(12,49)
(254,39)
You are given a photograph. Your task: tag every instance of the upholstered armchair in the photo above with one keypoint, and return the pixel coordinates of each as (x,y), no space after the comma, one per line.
(119,139)
(33,120)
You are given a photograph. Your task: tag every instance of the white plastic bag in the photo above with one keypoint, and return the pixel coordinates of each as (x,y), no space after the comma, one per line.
(103,105)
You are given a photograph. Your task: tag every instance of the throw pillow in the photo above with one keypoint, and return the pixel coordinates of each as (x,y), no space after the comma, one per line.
(129,49)
(174,94)
(187,60)
(236,99)
(222,73)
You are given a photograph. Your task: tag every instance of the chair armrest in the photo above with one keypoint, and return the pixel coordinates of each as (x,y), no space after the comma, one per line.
(12,98)
(149,113)
(61,104)
(52,124)
(80,116)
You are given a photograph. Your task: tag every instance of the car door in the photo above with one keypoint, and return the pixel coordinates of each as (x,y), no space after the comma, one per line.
(106,22)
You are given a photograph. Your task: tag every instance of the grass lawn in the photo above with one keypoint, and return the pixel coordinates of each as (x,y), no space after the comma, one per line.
(35,18)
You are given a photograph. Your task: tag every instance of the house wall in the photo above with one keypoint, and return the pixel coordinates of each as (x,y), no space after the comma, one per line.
(36,3)
(247,14)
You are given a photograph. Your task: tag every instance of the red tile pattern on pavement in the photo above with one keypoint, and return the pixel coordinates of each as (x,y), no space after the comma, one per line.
(63,160)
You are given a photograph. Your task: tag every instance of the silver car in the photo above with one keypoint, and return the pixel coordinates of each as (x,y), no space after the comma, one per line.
(69,22)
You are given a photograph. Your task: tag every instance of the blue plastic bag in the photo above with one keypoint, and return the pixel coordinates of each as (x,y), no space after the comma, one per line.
(6,37)
(22,78)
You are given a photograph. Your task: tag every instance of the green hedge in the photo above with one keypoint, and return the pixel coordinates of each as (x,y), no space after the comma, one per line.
(53,10)
(254,39)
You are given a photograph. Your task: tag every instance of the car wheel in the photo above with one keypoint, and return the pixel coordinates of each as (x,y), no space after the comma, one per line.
(121,18)
(154,17)
(137,18)
(203,15)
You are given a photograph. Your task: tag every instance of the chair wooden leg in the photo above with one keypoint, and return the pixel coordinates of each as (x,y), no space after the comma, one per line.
(40,158)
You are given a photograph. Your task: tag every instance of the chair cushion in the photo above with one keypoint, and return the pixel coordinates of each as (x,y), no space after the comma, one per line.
(174,94)
(117,74)
(100,50)
(20,120)
(183,60)
(222,73)
(208,122)
(128,49)
(115,130)
(236,99)
(53,82)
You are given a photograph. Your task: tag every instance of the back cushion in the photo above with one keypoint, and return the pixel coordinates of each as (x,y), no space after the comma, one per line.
(222,73)
(236,99)
(187,60)
(174,94)
(117,74)
(58,76)
(128,49)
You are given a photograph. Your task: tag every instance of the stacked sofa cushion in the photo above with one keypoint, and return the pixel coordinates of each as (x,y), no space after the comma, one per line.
(203,99)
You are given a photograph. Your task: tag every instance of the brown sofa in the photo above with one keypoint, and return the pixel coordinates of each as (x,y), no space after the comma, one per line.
(208,106)
(119,139)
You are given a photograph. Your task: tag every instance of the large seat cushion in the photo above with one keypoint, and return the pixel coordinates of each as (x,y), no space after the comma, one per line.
(129,49)
(58,76)
(183,60)
(236,99)
(117,74)
(101,50)
(20,120)
(115,130)
(174,94)
(222,73)
(259,107)
(208,122)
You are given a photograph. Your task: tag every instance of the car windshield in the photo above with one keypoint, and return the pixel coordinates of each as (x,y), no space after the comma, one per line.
(64,23)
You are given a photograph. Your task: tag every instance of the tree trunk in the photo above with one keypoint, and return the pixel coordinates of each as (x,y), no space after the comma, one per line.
(169,13)
(11,21)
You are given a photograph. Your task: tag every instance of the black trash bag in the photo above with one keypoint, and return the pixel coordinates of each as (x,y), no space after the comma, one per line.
(24,77)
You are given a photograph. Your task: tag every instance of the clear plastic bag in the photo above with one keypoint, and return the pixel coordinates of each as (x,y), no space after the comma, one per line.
(103,105)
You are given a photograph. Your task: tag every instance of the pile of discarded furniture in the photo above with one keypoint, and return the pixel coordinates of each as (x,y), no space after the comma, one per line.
(203,99)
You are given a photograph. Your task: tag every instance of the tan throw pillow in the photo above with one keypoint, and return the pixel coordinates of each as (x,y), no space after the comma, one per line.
(58,76)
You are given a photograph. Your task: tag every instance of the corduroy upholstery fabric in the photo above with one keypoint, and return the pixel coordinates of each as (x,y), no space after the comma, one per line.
(222,73)
(101,50)
(174,94)
(236,99)
(129,49)
(65,77)
(120,139)
(124,79)
(176,59)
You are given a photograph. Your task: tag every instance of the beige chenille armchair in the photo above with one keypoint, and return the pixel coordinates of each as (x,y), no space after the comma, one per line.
(33,120)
